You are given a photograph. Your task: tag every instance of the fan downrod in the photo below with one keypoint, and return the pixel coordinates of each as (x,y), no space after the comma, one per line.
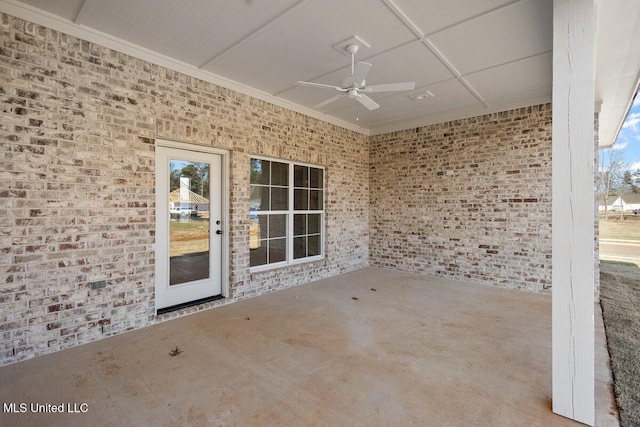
(352,49)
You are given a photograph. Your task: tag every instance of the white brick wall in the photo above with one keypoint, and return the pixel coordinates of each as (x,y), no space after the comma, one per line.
(77,174)
(77,201)
(490,221)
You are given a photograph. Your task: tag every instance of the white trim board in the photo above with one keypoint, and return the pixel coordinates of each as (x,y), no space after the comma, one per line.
(573,207)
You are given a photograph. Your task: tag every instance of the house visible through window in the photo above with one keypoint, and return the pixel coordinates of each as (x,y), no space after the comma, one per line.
(286,212)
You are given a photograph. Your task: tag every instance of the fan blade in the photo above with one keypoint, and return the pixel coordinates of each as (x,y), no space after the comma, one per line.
(330,100)
(391,87)
(367,102)
(360,73)
(320,85)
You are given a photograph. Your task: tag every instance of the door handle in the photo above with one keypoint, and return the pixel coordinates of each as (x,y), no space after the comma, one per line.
(218,231)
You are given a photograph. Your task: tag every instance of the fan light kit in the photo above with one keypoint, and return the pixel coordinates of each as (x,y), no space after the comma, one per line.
(355,86)
(421,96)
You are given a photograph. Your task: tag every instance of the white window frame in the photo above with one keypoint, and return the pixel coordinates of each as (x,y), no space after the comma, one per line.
(289,260)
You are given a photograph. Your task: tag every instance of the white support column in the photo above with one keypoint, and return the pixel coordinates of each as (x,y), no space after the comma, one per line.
(573,205)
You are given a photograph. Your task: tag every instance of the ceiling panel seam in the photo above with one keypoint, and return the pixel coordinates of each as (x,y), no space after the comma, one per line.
(84,14)
(476,16)
(254,34)
(441,57)
(403,17)
(524,58)
(453,69)
(79,12)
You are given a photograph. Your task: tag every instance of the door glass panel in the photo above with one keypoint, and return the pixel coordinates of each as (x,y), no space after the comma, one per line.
(189,225)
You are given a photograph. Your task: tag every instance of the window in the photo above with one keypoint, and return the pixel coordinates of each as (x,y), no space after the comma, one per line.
(286,212)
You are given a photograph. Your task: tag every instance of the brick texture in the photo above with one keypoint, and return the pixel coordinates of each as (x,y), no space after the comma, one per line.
(77,198)
(489,222)
(77,202)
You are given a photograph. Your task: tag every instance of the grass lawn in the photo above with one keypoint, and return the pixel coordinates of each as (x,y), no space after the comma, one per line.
(188,237)
(623,229)
(620,300)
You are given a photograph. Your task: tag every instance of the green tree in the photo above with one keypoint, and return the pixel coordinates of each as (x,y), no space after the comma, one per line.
(198,174)
(256,171)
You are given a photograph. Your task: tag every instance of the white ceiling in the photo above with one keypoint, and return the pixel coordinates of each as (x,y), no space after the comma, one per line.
(474,56)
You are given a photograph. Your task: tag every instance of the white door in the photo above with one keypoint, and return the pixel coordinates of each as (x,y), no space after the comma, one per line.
(188,226)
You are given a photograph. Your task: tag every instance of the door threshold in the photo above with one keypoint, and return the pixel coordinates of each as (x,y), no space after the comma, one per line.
(187,304)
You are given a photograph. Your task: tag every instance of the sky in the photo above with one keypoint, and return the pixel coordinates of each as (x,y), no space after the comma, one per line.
(629,137)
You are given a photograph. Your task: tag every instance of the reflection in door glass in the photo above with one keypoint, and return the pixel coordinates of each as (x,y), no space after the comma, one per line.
(188,221)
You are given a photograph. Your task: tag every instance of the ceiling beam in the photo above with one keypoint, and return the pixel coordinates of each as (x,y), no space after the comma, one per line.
(441,57)
(249,37)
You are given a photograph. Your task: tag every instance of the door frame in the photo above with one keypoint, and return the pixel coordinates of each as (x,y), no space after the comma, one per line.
(224,196)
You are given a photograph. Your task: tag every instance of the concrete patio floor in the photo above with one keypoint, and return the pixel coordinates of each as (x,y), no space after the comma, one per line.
(370,347)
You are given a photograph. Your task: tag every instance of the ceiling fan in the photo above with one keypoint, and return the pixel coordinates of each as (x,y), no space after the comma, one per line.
(355,86)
